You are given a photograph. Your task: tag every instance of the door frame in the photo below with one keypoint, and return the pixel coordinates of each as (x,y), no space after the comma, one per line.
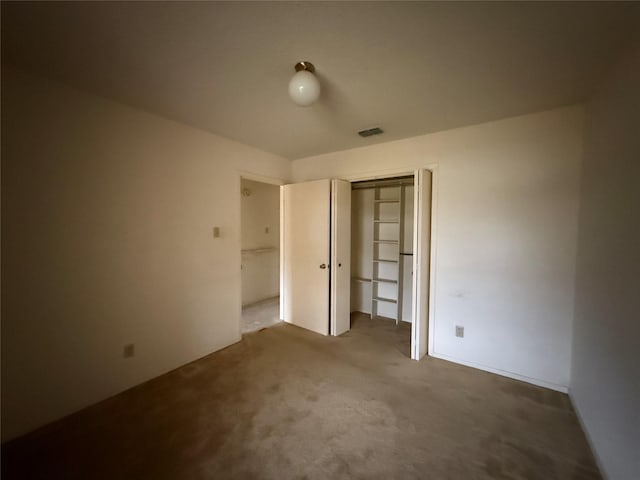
(243,174)
(427,321)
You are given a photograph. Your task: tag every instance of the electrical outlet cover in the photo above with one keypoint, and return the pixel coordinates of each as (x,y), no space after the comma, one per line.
(129,350)
(459,331)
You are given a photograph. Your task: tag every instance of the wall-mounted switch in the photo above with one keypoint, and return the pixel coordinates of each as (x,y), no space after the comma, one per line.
(216,232)
(129,350)
(459,331)
(266,229)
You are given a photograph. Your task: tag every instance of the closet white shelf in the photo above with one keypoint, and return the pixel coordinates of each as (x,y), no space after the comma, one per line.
(382,299)
(361,279)
(260,250)
(384,280)
(388,214)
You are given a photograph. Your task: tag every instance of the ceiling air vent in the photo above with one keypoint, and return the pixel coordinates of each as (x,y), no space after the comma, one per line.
(370,131)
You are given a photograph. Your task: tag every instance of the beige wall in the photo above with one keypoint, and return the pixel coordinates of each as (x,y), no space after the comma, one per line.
(605,377)
(107,240)
(505,233)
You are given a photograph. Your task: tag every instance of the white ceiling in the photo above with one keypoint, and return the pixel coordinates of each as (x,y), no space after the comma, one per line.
(410,68)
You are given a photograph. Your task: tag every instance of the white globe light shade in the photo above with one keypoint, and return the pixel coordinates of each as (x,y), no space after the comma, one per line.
(304,88)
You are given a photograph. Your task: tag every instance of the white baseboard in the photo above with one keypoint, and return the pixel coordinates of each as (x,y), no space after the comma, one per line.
(588,437)
(504,373)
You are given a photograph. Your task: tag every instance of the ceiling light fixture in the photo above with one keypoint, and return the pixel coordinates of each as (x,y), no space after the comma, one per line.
(304,88)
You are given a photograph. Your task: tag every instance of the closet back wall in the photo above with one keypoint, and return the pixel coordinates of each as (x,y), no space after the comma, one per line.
(362,208)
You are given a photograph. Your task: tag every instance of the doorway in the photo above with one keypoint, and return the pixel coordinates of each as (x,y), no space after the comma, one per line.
(382,246)
(316,250)
(260,267)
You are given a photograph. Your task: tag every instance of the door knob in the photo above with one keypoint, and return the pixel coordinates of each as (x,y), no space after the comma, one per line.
(323,266)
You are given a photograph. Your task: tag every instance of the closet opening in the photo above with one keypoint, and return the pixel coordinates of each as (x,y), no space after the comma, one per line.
(382,249)
(260,251)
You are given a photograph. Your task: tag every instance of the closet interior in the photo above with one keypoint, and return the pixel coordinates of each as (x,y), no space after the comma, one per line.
(382,248)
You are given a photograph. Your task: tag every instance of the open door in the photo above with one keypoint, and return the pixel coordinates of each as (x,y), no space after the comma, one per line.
(340,257)
(421,263)
(316,246)
(307,235)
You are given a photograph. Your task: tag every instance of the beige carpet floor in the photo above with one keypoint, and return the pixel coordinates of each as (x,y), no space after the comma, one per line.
(288,404)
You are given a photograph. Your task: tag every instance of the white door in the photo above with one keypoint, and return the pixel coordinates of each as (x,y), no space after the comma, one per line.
(340,256)
(421,263)
(316,260)
(306,249)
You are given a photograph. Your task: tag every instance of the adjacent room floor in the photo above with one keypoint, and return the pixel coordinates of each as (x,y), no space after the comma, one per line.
(260,315)
(286,403)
